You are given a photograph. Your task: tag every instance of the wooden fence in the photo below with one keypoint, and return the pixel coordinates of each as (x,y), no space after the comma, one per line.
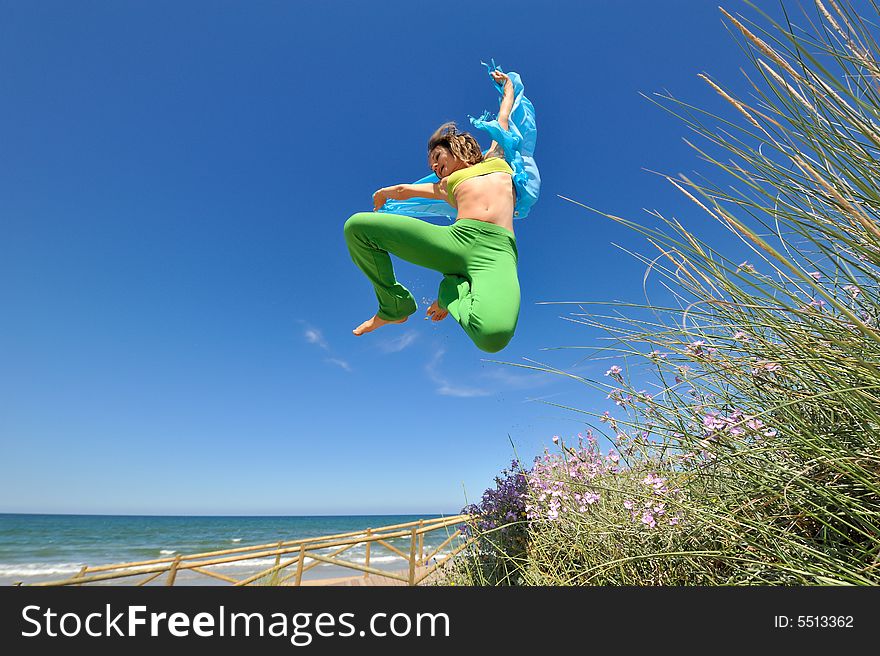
(292,555)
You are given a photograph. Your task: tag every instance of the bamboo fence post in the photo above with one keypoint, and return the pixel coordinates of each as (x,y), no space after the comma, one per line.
(369,544)
(421,541)
(392,548)
(299,565)
(315,563)
(278,557)
(151,577)
(81,573)
(412,558)
(172,572)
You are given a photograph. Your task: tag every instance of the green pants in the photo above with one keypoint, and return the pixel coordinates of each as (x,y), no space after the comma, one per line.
(477,259)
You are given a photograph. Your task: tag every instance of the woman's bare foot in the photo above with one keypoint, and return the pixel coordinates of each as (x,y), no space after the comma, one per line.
(436,313)
(370,325)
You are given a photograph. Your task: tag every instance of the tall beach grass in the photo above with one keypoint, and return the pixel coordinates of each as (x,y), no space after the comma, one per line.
(744,411)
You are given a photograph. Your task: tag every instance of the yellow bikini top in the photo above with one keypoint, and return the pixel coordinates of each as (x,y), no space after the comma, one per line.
(491,165)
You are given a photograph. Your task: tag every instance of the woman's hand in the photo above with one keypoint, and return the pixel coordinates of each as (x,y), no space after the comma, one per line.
(501,78)
(380,197)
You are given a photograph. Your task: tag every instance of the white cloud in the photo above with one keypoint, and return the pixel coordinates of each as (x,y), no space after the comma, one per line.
(340,363)
(314,336)
(451,390)
(444,386)
(529,379)
(398,343)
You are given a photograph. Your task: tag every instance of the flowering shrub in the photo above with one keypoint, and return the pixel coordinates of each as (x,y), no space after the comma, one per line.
(582,481)
(502,506)
(561,483)
(499,525)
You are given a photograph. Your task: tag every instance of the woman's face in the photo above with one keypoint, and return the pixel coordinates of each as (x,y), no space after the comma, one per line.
(443,162)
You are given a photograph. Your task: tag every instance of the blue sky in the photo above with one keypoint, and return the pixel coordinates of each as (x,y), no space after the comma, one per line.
(176,298)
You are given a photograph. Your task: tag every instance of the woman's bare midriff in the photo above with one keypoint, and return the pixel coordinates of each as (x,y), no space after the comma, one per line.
(490,198)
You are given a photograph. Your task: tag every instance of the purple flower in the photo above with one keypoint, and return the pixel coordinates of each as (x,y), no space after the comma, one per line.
(613,371)
(712,421)
(852,289)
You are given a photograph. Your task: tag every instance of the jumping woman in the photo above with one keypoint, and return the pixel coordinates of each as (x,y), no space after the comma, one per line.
(476,254)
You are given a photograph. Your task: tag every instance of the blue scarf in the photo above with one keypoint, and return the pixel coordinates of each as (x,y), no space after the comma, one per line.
(518,143)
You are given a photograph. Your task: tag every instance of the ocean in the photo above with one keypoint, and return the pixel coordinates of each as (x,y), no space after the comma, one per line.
(37,548)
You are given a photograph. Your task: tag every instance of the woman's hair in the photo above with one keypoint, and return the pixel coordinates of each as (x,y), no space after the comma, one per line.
(460,144)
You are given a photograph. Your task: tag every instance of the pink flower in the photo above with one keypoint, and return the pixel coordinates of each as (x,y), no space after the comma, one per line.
(614,371)
(555,439)
(815,275)
(741,336)
(745,266)
(695,348)
(657,482)
(628,504)
(648,519)
(712,421)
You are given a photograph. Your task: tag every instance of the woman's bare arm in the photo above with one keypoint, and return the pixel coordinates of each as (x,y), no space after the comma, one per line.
(496,150)
(406,191)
